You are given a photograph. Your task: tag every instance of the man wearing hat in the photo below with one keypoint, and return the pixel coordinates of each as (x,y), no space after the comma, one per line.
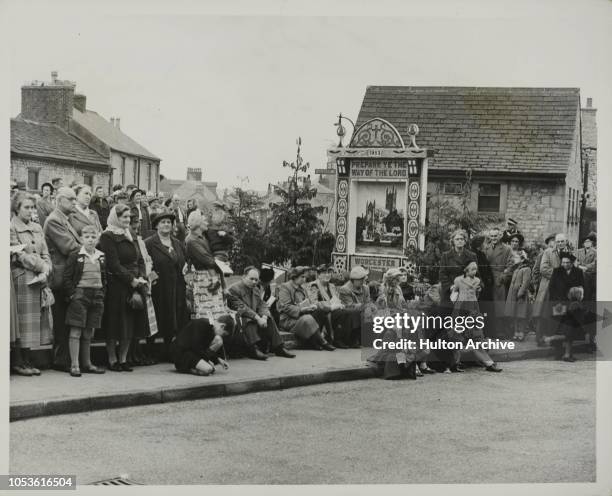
(511,231)
(258,326)
(586,260)
(355,294)
(297,314)
(140,210)
(343,324)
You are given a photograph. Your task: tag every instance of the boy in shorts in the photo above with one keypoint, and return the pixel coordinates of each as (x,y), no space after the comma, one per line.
(85,285)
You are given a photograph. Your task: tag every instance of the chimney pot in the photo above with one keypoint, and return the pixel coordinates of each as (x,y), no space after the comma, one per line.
(117,122)
(589,102)
(112,121)
(54,76)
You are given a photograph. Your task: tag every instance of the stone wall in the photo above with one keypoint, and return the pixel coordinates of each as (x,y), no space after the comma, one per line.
(48,170)
(538,205)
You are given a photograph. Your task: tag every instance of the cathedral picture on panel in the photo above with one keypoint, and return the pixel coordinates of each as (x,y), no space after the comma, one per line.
(380,217)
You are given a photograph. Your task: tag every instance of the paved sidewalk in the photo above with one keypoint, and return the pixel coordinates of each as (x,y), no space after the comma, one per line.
(56,393)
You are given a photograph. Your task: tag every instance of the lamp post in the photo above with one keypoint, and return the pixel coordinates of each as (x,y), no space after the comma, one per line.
(341,130)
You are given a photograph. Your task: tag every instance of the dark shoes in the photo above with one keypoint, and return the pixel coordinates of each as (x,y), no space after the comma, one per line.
(428,370)
(341,345)
(93,370)
(120,367)
(327,347)
(281,351)
(493,368)
(456,368)
(412,372)
(255,354)
(570,359)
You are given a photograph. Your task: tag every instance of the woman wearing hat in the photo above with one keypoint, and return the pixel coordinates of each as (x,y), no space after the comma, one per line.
(403,364)
(168,292)
(563,293)
(343,324)
(517,302)
(297,314)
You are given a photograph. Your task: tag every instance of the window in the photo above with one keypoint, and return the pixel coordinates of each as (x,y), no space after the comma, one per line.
(489,197)
(88,180)
(33,179)
(123,170)
(453,188)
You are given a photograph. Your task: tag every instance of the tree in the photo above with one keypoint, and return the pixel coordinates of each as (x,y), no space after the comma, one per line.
(443,217)
(250,245)
(295,228)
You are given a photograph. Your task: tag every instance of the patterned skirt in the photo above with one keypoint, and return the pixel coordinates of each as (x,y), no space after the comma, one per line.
(35,323)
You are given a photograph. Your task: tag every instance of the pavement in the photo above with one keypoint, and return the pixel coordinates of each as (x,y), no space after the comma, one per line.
(532,423)
(55,393)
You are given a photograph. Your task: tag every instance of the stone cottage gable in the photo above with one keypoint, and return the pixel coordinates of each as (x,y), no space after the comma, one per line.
(523,130)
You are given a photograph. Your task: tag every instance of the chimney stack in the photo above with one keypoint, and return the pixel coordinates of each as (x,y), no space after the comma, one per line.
(80,102)
(194,174)
(48,103)
(589,102)
(112,121)
(117,122)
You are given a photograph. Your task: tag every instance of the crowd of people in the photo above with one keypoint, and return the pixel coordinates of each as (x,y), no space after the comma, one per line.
(131,266)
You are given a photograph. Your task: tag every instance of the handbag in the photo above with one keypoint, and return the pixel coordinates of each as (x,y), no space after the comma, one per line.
(135,301)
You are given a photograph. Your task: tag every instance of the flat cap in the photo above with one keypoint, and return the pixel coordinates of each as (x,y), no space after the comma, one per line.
(358,272)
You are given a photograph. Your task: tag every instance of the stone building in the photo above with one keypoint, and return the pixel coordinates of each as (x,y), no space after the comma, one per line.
(43,144)
(525,147)
(131,163)
(55,135)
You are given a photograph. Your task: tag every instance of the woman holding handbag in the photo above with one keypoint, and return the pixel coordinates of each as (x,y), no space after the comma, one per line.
(124,304)
(168,290)
(30,268)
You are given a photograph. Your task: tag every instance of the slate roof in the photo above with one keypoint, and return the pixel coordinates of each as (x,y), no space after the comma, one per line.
(488,129)
(109,134)
(51,142)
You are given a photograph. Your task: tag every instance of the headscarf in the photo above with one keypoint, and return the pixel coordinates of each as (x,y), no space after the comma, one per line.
(113,225)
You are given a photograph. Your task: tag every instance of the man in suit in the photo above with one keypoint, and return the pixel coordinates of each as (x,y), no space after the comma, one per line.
(501,261)
(101,205)
(62,239)
(259,328)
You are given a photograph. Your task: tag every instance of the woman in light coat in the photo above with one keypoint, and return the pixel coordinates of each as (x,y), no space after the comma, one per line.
(30,270)
(517,302)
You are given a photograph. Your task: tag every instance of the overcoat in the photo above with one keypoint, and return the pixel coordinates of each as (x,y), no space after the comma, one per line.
(169,292)
(501,261)
(517,302)
(78,220)
(62,240)
(550,261)
(292,319)
(124,263)
(452,264)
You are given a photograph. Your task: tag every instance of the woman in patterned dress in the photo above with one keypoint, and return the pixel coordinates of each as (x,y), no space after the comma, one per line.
(30,268)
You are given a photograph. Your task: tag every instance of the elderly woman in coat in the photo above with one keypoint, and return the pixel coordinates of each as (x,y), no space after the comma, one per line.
(30,269)
(204,285)
(542,308)
(168,292)
(517,302)
(297,314)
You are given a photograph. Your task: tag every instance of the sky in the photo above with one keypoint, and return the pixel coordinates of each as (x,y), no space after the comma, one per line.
(231,93)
